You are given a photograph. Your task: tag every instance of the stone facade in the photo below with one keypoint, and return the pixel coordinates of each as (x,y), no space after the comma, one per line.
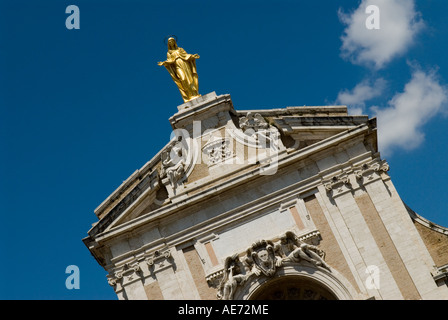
(282,203)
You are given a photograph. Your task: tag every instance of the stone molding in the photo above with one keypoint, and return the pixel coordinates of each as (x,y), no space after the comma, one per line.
(425,222)
(147,185)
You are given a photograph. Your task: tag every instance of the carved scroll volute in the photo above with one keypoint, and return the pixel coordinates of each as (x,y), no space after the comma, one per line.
(159,260)
(369,171)
(337,183)
(128,272)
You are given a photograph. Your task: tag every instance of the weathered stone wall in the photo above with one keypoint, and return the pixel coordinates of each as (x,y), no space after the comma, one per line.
(436,242)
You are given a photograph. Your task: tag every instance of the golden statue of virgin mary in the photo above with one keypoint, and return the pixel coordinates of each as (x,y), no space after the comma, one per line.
(182,68)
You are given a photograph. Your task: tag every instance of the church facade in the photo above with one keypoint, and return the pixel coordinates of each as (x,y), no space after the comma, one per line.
(287,203)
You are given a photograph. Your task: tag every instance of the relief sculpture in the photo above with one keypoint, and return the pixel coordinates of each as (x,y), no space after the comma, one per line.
(173,162)
(265,258)
(292,249)
(235,274)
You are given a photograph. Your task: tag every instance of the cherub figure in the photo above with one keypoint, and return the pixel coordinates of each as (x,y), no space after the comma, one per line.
(295,250)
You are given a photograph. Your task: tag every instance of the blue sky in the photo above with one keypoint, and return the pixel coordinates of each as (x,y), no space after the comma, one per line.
(81,110)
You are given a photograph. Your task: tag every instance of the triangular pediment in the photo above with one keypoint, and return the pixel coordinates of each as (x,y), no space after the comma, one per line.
(213,143)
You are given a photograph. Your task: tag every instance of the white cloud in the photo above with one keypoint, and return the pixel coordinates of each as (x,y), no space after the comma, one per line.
(399,24)
(362,92)
(400,124)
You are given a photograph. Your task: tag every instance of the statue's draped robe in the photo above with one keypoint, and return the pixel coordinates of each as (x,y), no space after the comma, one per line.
(182,68)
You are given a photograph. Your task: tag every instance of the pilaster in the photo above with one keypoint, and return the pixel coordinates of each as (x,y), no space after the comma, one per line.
(363,247)
(399,225)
